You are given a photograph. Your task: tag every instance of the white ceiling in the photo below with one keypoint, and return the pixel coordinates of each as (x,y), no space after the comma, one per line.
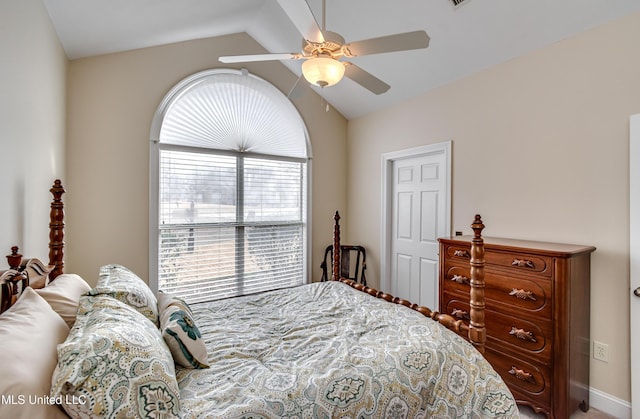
(464,40)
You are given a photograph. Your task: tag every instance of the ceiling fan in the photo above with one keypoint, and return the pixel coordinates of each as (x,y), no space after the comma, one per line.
(323,50)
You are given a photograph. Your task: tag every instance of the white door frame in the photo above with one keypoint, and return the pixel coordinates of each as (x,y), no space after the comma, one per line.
(387,189)
(634,259)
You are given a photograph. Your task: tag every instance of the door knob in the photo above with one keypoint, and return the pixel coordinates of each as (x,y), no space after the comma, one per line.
(636,292)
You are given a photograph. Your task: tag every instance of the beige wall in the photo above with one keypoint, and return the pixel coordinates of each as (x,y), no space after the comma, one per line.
(540,149)
(112,100)
(32,122)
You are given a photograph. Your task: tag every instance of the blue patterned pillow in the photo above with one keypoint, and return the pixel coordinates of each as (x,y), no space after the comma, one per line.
(181,333)
(115,364)
(120,283)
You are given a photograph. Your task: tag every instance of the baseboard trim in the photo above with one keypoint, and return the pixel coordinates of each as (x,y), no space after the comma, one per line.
(609,404)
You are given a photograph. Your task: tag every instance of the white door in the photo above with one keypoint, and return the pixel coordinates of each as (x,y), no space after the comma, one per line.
(419,203)
(634,225)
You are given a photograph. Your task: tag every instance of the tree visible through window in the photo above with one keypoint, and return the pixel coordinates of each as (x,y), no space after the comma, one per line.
(231,188)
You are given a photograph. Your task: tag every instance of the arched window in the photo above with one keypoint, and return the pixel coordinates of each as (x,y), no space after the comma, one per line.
(229,188)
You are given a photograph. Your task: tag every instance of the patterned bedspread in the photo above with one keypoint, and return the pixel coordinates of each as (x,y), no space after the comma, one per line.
(325,350)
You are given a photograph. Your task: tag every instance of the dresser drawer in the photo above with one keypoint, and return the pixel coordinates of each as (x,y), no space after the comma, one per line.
(517,294)
(530,379)
(512,261)
(520,263)
(517,335)
(460,252)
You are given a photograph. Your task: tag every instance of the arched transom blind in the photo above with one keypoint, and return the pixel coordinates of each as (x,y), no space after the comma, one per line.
(235,112)
(232,189)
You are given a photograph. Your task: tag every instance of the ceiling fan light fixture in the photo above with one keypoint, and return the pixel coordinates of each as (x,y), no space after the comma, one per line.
(323,71)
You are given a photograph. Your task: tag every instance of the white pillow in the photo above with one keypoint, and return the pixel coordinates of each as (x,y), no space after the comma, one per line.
(29,334)
(63,295)
(180,332)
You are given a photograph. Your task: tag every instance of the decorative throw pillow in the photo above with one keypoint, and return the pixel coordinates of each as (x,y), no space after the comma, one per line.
(63,295)
(29,333)
(115,364)
(120,283)
(166,299)
(181,333)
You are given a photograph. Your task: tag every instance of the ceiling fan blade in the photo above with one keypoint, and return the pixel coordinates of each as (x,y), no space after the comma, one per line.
(398,42)
(258,57)
(364,79)
(303,19)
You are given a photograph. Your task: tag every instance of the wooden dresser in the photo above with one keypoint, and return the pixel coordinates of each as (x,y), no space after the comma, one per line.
(537,316)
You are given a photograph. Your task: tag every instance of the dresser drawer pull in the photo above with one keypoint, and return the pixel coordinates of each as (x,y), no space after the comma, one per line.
(460,279)
(523,263)
(460,314)
(522,375)
(522,334)
(522,294)
(462,253)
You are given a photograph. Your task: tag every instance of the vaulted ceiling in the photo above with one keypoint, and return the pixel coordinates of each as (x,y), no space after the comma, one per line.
(464,39)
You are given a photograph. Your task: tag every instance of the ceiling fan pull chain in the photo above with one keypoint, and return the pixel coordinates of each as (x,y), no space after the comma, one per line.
(325,103)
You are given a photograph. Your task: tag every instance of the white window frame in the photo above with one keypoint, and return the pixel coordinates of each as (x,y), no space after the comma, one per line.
(154,173)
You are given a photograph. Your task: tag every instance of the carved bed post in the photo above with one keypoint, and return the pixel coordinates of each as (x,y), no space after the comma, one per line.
(335,275)
(56,230)
(477,329)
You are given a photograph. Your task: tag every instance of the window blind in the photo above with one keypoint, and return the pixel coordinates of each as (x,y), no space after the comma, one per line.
(229,224)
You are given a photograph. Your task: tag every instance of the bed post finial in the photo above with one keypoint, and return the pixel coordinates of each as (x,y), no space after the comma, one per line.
(56,230)
(15,258)
(477,226)
(477,328)
(335,274)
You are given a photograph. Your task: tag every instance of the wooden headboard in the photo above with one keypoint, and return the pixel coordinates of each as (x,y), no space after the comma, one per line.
(32,272)
(475,329)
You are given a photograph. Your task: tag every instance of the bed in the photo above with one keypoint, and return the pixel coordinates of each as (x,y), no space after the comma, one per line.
(334,349)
